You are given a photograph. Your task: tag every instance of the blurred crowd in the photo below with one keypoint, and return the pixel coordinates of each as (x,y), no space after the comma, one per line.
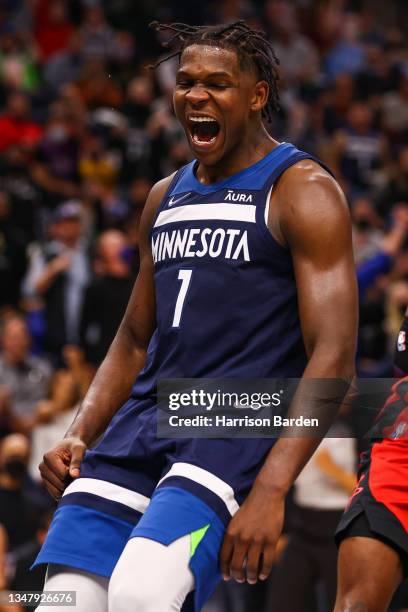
(86,128)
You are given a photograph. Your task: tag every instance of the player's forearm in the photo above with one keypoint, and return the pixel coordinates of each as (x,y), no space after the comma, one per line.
(110,388)
(320,394)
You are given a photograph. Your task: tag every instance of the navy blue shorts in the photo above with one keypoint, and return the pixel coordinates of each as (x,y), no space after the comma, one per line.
(135,484)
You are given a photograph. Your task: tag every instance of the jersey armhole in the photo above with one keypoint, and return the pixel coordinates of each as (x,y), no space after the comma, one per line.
(262,213)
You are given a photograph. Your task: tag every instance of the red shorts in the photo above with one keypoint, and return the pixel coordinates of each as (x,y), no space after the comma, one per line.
(382,495)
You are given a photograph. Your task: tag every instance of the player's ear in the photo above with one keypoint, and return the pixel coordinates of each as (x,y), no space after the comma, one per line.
(260,96)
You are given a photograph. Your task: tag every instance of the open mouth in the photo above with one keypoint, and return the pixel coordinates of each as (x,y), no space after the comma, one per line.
(204,130)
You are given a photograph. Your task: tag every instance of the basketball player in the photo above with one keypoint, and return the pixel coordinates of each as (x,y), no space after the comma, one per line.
(373,532)
(246,270)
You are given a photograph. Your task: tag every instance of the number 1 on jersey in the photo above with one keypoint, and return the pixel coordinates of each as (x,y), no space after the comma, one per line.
(185,277)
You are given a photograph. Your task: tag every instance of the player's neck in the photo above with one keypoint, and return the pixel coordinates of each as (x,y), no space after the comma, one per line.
(247,152)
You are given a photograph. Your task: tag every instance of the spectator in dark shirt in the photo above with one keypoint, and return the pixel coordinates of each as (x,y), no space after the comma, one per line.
(396,188)
(137,109)
(377,76)
(336,101)
(21,500)
(107,295)
(360,147)
(56,165)
(20,560)
(59,273)
(22,193)
(25,512)
(12,255)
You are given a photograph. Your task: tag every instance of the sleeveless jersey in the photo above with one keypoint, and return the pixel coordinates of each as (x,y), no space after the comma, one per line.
(225,288)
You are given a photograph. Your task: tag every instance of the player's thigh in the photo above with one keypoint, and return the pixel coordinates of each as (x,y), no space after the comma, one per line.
(91,591)
(369,571)
(151,576)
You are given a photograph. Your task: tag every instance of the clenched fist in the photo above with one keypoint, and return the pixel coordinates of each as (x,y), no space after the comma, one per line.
(61,465)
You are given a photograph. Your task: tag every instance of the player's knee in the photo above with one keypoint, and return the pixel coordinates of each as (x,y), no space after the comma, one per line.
(125,600)
(134,595)
(354,600)
(128,598)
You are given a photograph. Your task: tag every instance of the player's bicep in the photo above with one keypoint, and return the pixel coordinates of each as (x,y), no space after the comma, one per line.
(318,232)
(327,302)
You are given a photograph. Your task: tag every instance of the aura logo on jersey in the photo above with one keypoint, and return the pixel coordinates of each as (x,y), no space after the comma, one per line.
(233,196)
(194,242)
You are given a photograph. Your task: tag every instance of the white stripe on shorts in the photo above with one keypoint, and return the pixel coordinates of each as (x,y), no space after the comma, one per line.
(218,211)
(108,490)
(208,480)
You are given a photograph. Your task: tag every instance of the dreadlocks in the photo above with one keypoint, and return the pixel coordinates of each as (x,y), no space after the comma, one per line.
(251,46)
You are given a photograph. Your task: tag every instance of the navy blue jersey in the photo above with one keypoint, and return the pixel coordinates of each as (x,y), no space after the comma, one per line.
(226,307)
(225,288)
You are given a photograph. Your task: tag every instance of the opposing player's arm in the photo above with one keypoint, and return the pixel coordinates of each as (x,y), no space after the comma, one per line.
(123,362)
(309,214)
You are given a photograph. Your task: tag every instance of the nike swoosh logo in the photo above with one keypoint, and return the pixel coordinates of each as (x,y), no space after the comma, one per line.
(174,200)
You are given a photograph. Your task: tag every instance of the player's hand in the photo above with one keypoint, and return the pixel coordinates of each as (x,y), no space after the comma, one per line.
(249,544)
(61,465)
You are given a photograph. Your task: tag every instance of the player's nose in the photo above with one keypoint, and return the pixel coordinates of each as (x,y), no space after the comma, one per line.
(197,94)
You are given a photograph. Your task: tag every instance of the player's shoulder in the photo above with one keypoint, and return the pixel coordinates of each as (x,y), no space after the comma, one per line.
(159,189)
(307,174)
(307,187)
(307,201)
(156,194)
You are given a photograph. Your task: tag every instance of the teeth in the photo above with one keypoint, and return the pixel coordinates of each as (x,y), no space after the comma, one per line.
(198,141)
(201,119)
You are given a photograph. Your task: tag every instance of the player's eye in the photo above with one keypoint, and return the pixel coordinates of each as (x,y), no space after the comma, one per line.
(218,85)
(184,83)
